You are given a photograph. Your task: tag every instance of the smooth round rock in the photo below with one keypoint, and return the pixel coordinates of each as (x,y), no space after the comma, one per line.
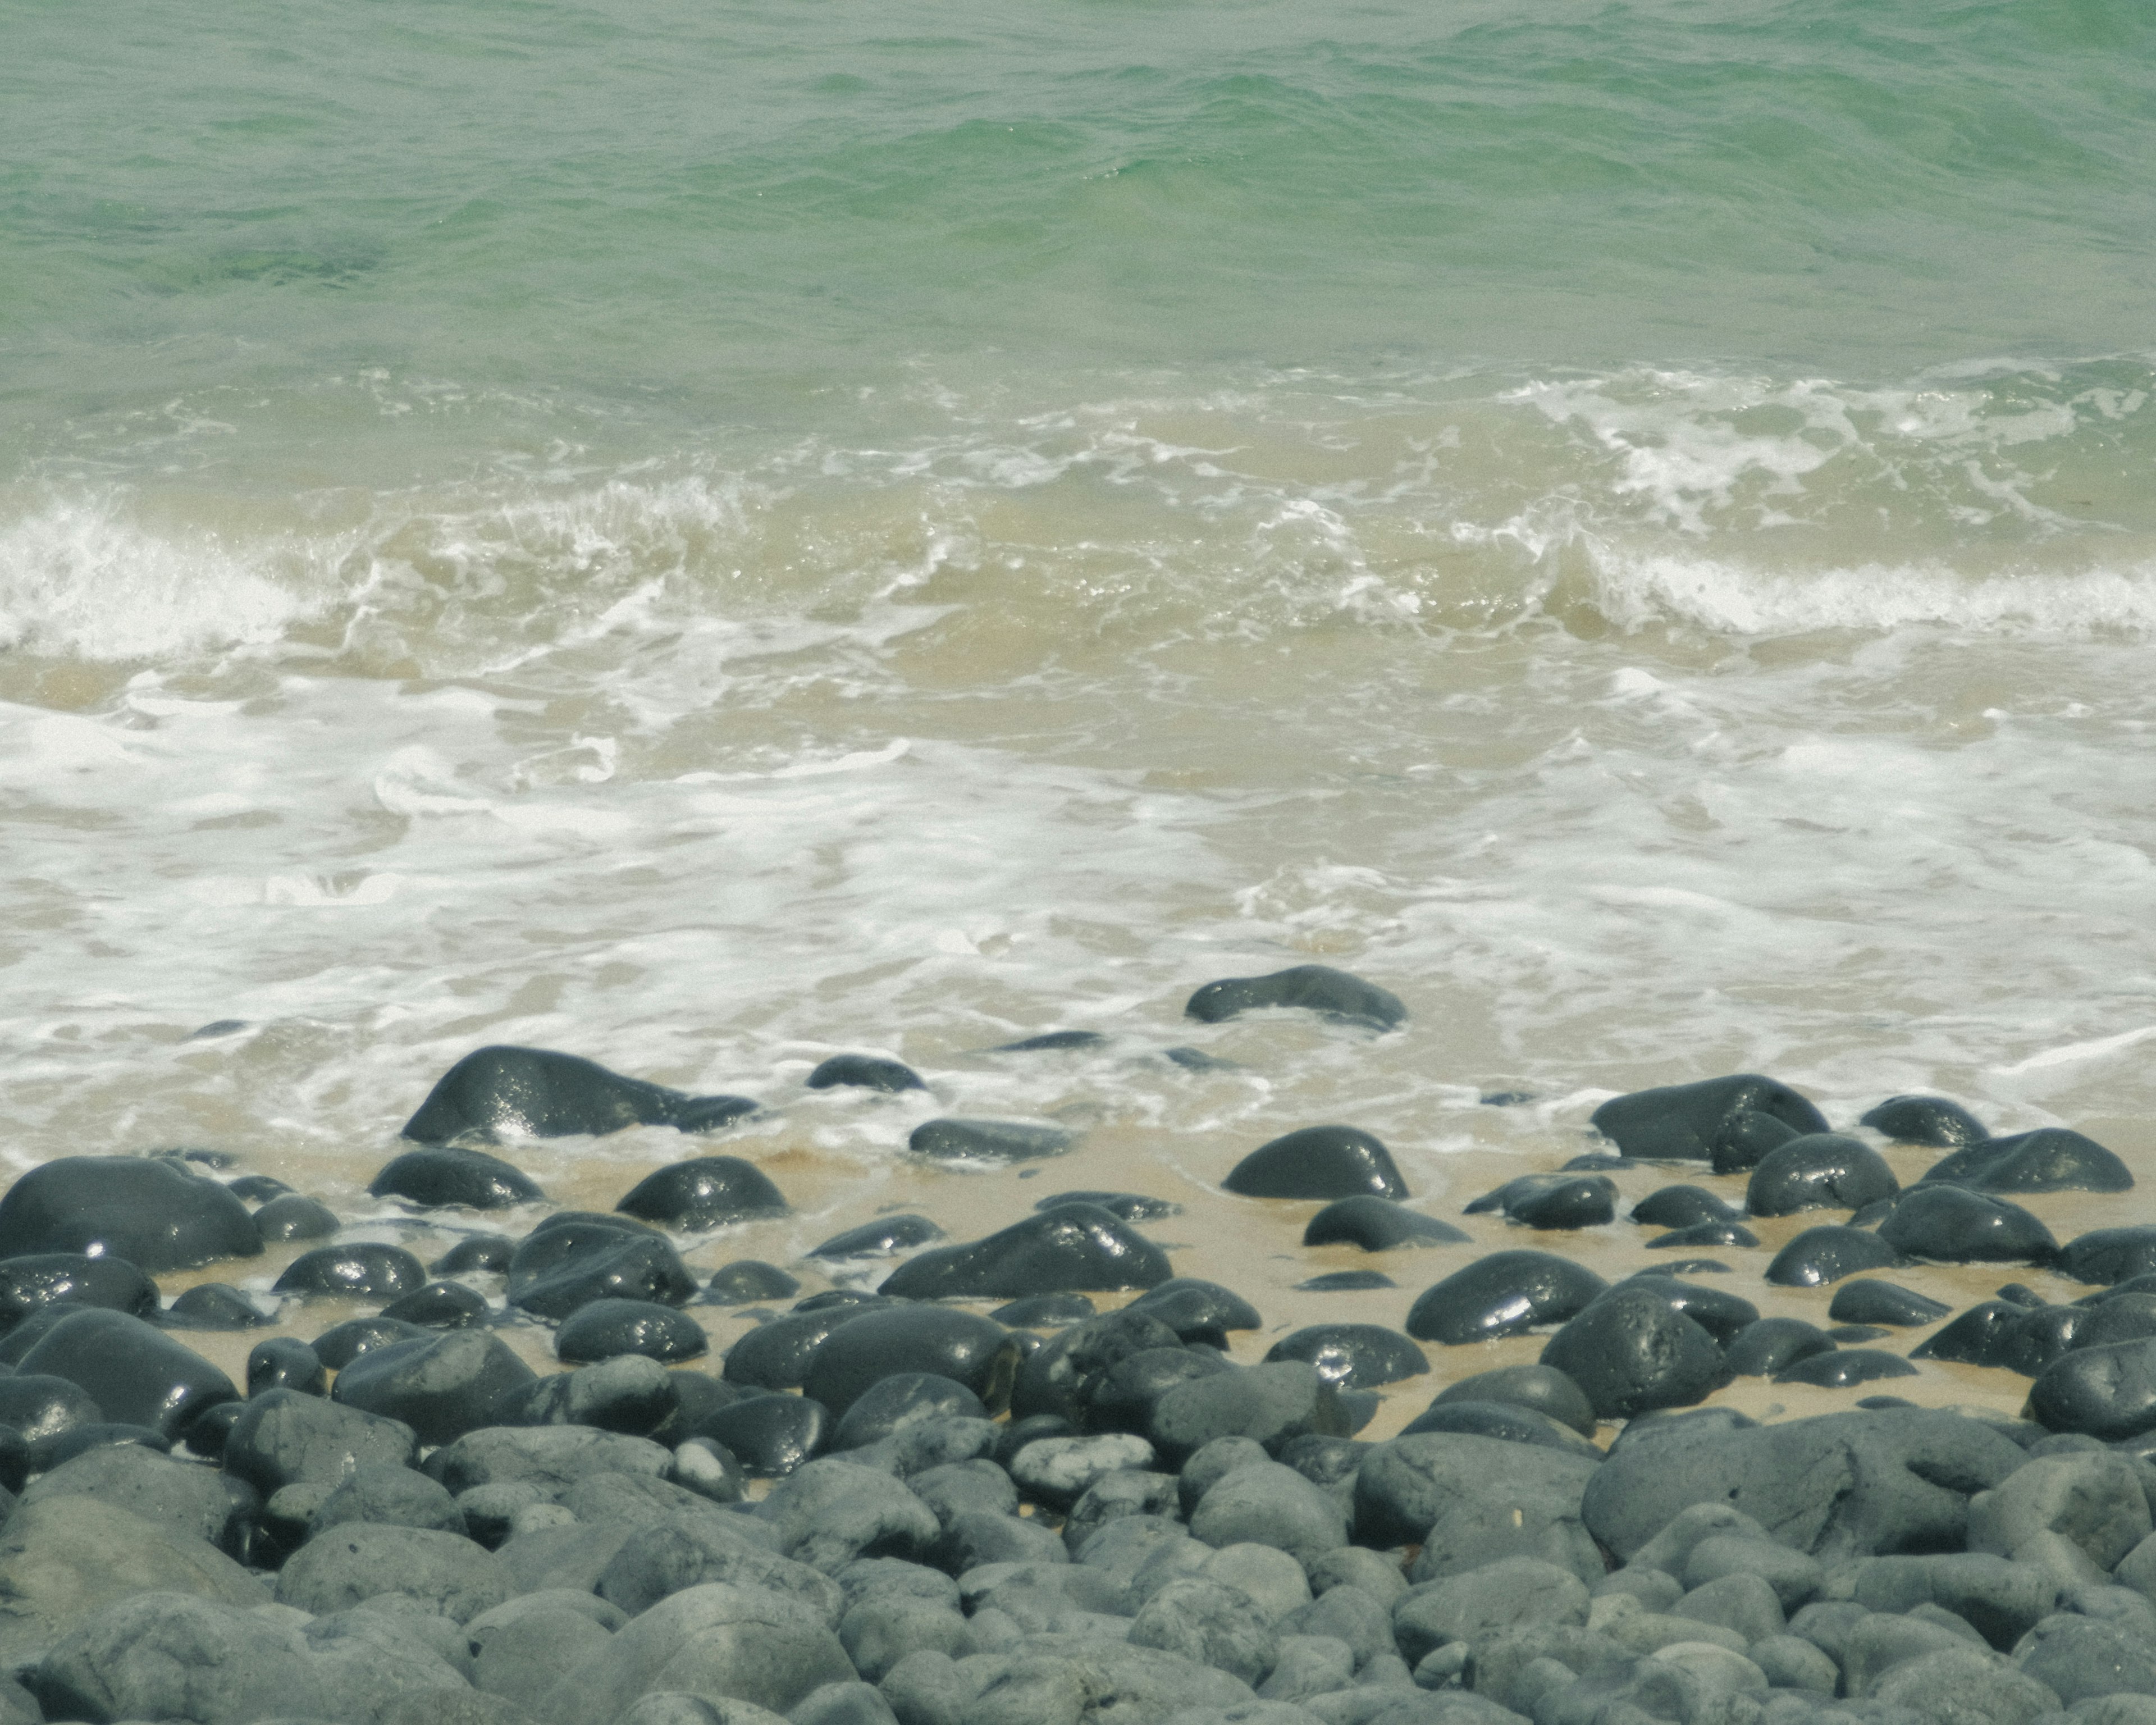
(1506,1420)
(1924,1120)
(285,1362)
(1044,1311)
(855,1071)
(1881,1302)
(1844,1366)
(362,1267)
(257,1188)
(2049,1159)
(1763,1348)
(1130,1206)
(1684,1122)
(1346,1281)
(1053,1042)
(1502,1295)
(997,1141)
(27,1285)
(885,1237)
(1310,988)
(904,1399)
(707,1192)
(974,1352)
(443,1177)
(1377,1224)
(1720,1313)
(1704,1233)
(1954,1225)
(2129,1317)
(629,1392)
(136,1373)
(37,1406)
(776,1355)
(606,1328)
(1820,1255)
(1819,1171)
(1269,1404)
(2107,1393)
(617,1267)
(1553,1201)
(341,1344)
(147,1212)
(1999,1332)
(747,1279)
(438,1305)
(505,1091)
(1198,1310)
(2108,1255)
(1543,1388)
(1072,1247)
(487,1253)
(1122,1397)
(771,1435)
(441,1386)
(1849,1335)
(296,1216)
(1682,1207)
(1632,1351)
(1745,1142)
(1352,1355)
(214,1305)
(1323,1161)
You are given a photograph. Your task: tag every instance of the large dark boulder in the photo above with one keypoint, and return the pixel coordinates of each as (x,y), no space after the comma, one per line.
(1953,1224)
(503,1091)
(1325,1161)
(2049,1159)
(1198,1310)
(708,1191)
(776,1355)
(30,1284)
(602,1266)
(1820,1255)
(1999,1332)
(2109,1393)
(1074,1246)
(444,1176)
(1819,1171)
(952,1139)
(1552,1200)
(1377,1224)
(2108,1255)
(1313,987)
(442,1387)
(606,1329)
(145,1211)
(863,1072)
(1501,1295)
(1924,1120)
(1633,1350)
(136,1373)
(283,1438)
(359,1268)
(1353,1356)
(1685,1121)
(972,1351)
(885,1237)
(1682,1207)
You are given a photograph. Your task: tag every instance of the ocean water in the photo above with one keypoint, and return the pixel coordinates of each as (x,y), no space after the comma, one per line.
(706,536)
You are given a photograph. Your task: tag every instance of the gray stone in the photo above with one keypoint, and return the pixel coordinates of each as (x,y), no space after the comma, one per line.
(1671,1548)
(975,1538)
(1881,1642)
(1308,1665)
(1213,1462)
(1403,1487)
(1502,1659)
(2003,1600)
(1964,1687)
(965,1488)
(1362,1621)
(1267,1504)
(926,1688)
(1117,1497)
(843,1704)
(441,1386)
(1741,1601)
(716,1642)
(1270,1404)
(1376,1573)
(1057,1471)
(396,1496)
(283,1437)
(695,1548)
(1511,1594)
(186,1498)
(1794,1577)
(553,1458)
(827,1512)
(1209,1622)
(2083,1512)
(2076,1658)
(1060,1680)
(335,1570)
(1792,1662)
(1274,1581)
(881,1629)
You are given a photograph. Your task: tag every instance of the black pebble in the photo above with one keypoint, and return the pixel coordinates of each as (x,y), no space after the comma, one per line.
(1544,1388)
(1501,1295)
(1881,1302)
(697,1397)
(604,1328)
(1313,987)
(294,1216)
(136,1373)
(1847,1334)
(2125,1317)
(771,1436)
(903,1399)
(1344,1281)
(1377,1224)
(1632,1350)
(775,1356)
(1822,1255)
(30,1284)
(1744,1142)
(1998,1333)
(950,1139)
(1507,1420)
(536,1092)
(37,1405)
(840,1297)
(1844,1366)
(2049,1159)
(615,1219)
(438,1305)
(1684,1267)
(1761,1349)
(1196,1059)
(362,1267)
(1685,1121)
(214,1306)
(1318,1162)
(442,1385)
(2108,1255)
(707,1191)
(1720,1313)
(285,1362)
(1552,1200)
(1704,1234)
(747,1279)
(1505,1098)
(1072,1247)
(49,1453)
(864,1072)
(883,1238)
(1819,1171)
(626,1267)
(207,1431)
(445,1176)
(1044,1311)
(887,1341)
(1924,1120)
(2020,1293)
(1198,1310)
(1052,1042)
(149,1212)
(341,1344)
(1131,1206)
(1352,1355)
(487,1252)
(1122,1398)
(257,1188)
(1680,1207)
(1958,1226)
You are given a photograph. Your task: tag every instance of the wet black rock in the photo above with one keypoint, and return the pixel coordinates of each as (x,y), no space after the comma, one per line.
(1052,1042)
(1044,1311)
(1682,1207)
(1820,1255)
(1346,1281)
(1324,1162)
(707,1192)
(951,1139)
(1507,1420)
(1270,1405)
(360,1268)
(839,1297)
(438,1305)
(1471,1499)
(584,1221)
(1632,1350)
(2108,1255)
(1819,1171)
(1552,1200)
(1954,1225)
(136,1373)
(973,1351)
(1849,1335)
(30,1284)
(1924,1120)
(1352,1355)
(341,1344)
(257,1188)
(884,1237)
(1747,1140)
(1198,1310)
(2129,1317)
(444,1176)
(747,1279)
(900,1401)
(1123,1397)
(1999,1332)
(1057,1379)
(1544,1388)
(2106,1392)
(629,1393)
(441,1386)
(1313,987)
(296,1217)
(1685,1121)
(1074,1246)
(37,1406)
(1720,1313)
(864,1072)
(285,1362)
(605,1329)
(1704,1233)
(1131,1206)
(535,1093)
(771,1436)
(49,1453)
(1761,1349)
(1196,1059)
(489,1253)
(1377,1224)
(1882,1302)
(775,1356)
(149,1212)
(1502,1295)
(214,1305)
(625,1267)
(2049,1159)
(1844,1366)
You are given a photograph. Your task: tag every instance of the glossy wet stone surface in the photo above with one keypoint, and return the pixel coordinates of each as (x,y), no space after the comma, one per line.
(1502,1294)
(1322,1162)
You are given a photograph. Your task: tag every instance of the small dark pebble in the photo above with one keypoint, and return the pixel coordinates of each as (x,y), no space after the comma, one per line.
(216,1028)
(771,1436)
(1505,1098)
(1879,1404)
(1685,1121)
(285,1362)
(1131,1206)
(207,1431)
(1313,987)
(1820,1255)
(1761,1349)
(747,1279)
(1684,1267)
(1591,1162)
(621,1267)
(30,1284)
(1553,1201)
(1844,1366)
(2108,1255)
(294,1216)
(1198,1310)
(1955,1225)
(1051,1042)
(1342,1281)
(486,1252)
(951,1139)
(1196,1059)
(1544,1388)
(537,1092)
(1680,1207)
(1072,1247)
(1747,1140)
(884,1237)
(1881,1302)
(614,1219)
(445,1177)
(1501,1295)
(1324,1162)
(606,1328)
(864,1072)
(214,1306)
(2020,1293)
(362,1267)
(2049,1159)
(438,1305)
(1044,1311)
(706,1192)
(1352,1355)
(1704,1234)
(257,1188)
(1924,1120)
(1377,1224)
(1846,1334)
(341,1344)
(839,1297)
(1819,1171)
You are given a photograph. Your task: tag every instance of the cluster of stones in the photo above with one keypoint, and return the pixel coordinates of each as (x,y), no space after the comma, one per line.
(886,1509)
